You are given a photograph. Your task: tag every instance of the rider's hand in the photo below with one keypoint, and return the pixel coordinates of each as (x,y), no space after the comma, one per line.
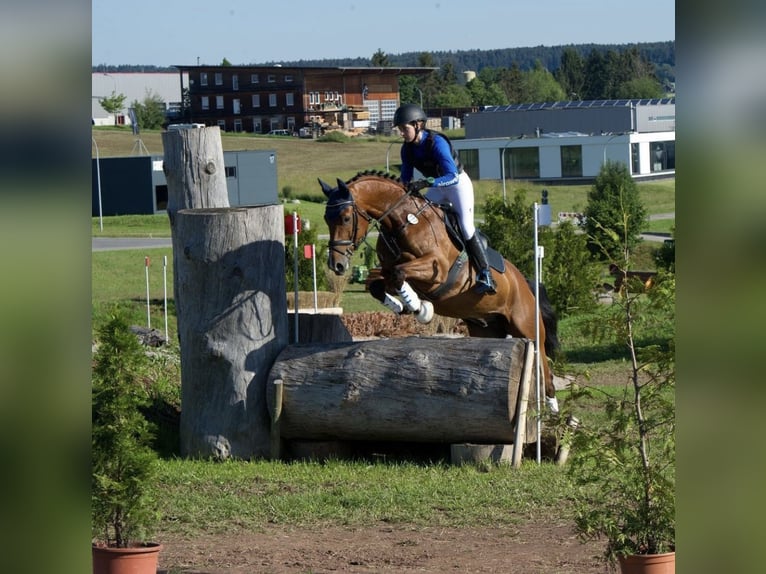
(417,185)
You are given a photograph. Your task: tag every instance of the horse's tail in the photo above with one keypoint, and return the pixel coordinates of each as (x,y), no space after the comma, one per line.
(550,320)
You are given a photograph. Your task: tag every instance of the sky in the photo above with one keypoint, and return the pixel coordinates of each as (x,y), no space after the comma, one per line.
(249,32)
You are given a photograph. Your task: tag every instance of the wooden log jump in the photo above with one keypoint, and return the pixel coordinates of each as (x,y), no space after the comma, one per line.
(417,389)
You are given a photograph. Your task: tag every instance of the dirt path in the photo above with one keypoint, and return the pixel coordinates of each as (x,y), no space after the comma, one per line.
(530,548)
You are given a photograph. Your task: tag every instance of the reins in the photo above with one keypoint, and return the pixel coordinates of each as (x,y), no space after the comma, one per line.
(354,243)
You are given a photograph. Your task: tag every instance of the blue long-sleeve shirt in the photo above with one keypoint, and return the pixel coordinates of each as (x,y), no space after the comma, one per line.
(434,161)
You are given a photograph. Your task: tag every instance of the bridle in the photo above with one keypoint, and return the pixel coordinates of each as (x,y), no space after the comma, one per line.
(352,244)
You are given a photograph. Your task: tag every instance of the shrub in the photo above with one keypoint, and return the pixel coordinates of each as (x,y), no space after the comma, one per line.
(615,214)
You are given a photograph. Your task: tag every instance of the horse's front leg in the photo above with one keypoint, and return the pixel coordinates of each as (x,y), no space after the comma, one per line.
(424,310)
(378,290)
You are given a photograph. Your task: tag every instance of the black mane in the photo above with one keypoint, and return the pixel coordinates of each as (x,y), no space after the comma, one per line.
(374,172)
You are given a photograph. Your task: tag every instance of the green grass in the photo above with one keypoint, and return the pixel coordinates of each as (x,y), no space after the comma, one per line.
(199,497)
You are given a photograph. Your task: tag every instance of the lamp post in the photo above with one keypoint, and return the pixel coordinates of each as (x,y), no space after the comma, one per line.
(421,96)
(606,145)
(98,183)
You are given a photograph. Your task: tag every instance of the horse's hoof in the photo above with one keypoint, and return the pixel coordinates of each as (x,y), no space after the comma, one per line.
(425,313)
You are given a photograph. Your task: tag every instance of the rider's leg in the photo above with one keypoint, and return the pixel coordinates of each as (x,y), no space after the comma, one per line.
(462,199)
(484,281)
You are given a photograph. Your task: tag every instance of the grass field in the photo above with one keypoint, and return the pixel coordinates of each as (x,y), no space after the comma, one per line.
(201,497)
(301,161)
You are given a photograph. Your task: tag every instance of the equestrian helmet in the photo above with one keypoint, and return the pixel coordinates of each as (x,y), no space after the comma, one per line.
(409,113)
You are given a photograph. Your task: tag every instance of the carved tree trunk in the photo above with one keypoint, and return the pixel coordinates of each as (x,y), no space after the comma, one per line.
(408,389)
(230,277)
(196,178)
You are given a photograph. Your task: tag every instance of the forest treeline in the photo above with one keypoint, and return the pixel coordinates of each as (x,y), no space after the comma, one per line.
(512,75)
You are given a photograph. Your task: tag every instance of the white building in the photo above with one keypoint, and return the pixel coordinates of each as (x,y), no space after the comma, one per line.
(570,141)
(136,87)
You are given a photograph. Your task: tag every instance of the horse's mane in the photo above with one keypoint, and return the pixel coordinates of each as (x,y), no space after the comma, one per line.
(375,173)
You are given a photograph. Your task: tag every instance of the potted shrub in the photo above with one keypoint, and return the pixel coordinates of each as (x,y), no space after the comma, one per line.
(122,460)
(624,467)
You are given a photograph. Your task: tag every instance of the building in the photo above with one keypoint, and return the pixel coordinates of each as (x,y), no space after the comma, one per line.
(137,185)
(135,87)
(262,99)
(570,141)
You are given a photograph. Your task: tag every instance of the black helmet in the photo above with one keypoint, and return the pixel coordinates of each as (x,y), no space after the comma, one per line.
(409,113)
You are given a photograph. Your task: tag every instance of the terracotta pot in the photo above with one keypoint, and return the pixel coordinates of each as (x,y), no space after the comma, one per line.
(139,560)
(648,563)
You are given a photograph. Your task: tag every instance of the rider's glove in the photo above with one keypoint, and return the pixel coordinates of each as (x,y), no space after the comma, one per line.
(417,185)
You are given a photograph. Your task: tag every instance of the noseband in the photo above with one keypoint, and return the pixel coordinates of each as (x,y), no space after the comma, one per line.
(350,244)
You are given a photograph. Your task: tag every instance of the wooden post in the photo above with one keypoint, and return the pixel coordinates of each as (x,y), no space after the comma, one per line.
(196,177)
(231,279)
(521,406)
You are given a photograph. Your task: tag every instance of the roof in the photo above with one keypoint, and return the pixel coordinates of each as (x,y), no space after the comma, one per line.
(318,69)
(580,104)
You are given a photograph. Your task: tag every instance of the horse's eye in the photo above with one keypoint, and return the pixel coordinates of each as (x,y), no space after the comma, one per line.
(346,219)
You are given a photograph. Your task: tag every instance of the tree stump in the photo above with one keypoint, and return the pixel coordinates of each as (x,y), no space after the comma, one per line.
(196,176)
(230,277)
(417,389)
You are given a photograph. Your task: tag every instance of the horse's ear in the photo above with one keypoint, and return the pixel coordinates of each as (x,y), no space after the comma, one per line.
(325,187)
(342,186)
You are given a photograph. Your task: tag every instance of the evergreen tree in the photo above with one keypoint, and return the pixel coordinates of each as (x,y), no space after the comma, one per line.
(596,78)
(571,73)
(380,59)
(615,214)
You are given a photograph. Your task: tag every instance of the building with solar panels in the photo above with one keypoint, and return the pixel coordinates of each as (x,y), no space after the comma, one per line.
(568,142)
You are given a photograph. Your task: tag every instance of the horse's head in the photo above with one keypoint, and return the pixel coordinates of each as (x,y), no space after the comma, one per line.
(348,226)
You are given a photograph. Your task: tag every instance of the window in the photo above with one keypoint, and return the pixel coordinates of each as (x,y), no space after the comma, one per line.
(218,79)
(571,161)
(290,99)
(470,160)
(663,155)
(291,123)
(235,82)
(254,79)
(235,108)
(222,125)
(288,78)
(203,78)
(256,125)
(219,102)
(272,100)
(205,103)
(256,100)
(237,126)
(231,170)
(271,78)
(313,97)
(524,162)
(635,158)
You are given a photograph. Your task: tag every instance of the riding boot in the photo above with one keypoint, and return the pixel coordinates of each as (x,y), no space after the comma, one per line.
(484,281)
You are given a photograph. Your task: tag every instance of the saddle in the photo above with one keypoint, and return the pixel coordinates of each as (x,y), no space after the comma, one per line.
(452,224)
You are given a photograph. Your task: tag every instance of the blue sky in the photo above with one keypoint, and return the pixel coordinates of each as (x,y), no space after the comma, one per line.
(172,32)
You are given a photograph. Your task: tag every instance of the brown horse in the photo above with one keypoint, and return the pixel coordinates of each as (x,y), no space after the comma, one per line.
(426,266)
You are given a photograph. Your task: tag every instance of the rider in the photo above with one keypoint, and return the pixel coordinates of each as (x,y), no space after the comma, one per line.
(433,156)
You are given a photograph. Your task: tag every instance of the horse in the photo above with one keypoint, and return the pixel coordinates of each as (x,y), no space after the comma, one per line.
(424,266)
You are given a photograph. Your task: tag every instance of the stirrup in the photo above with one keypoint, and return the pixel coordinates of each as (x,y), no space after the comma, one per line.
(484,283)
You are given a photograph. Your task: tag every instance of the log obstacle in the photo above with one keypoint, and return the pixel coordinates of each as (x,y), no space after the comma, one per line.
(411,389)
